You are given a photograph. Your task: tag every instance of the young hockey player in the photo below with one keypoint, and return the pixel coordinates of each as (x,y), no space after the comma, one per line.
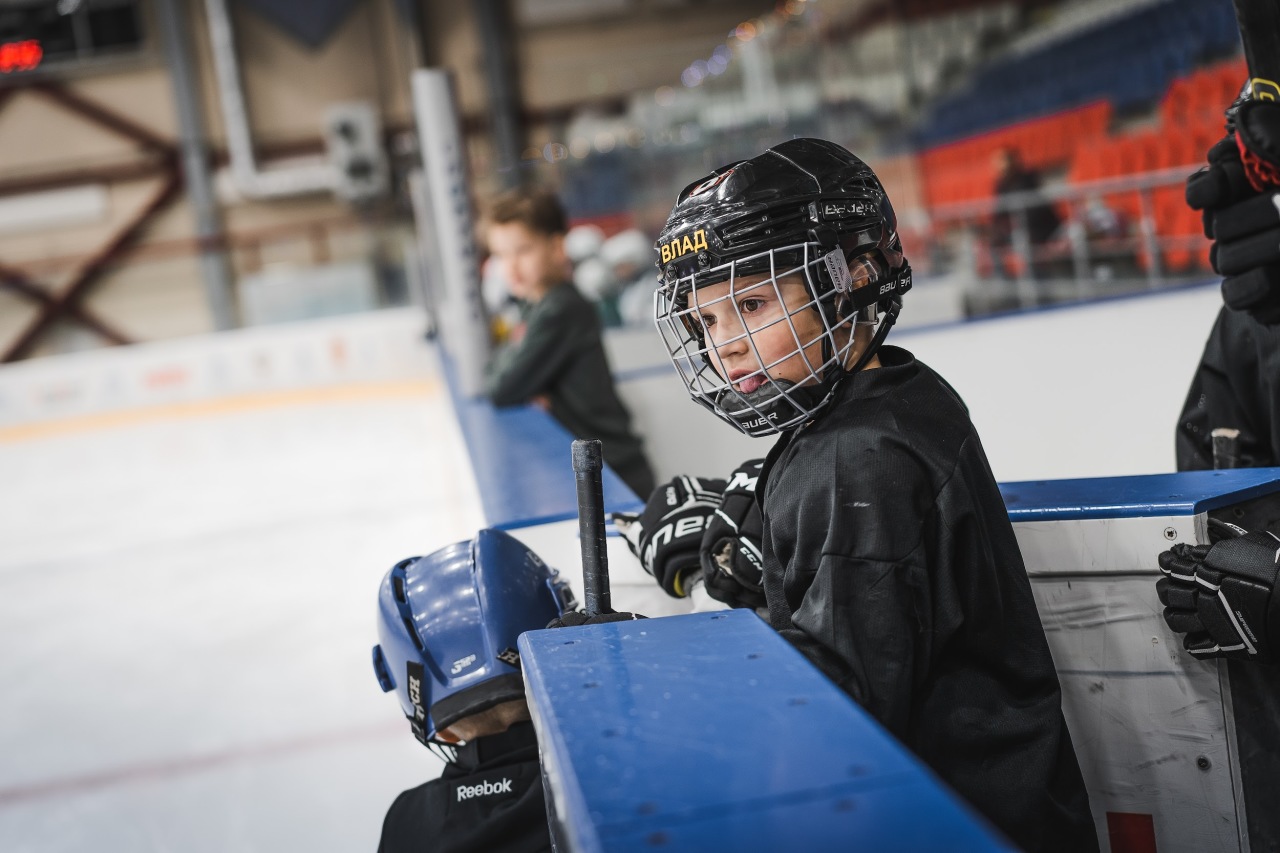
(1236,385)
(1236,388)
(1222,594)
(888,558)
(558,359)
(447,630)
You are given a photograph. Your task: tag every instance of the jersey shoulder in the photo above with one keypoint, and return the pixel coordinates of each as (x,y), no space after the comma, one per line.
(906,408)
(412,817)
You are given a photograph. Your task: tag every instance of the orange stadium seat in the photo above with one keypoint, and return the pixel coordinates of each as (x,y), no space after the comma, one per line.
(1190,119)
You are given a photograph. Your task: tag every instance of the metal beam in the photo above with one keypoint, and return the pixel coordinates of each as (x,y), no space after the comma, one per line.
(17,282)
(251,180)
(67,303)
(136,170)
(89,274)
(500,73)
(100,115)
(215,269)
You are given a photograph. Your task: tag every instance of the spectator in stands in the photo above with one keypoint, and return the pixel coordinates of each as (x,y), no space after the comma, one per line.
(556,358)
(490,589)
(1042,221)
(1108,236)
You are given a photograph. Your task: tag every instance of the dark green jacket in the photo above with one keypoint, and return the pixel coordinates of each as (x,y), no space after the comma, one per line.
(562,356)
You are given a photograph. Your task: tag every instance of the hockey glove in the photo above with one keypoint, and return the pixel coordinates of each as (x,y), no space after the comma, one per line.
(574,618)
(732,564)
(1222,596)
(667,535)
(1239,192)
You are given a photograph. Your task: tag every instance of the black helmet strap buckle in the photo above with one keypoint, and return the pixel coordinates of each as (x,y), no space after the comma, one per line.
(877,292)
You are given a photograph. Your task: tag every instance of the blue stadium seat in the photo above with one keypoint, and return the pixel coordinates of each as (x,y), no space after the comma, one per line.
(1129,61)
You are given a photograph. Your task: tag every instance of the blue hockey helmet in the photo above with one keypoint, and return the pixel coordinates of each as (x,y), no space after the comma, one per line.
(448,623)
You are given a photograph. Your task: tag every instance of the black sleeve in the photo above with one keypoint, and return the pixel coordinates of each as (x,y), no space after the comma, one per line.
(528,368)
(858,583)
(1225,392)
(858,623)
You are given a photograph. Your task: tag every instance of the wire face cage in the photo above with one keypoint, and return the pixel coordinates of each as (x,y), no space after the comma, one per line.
(761,340)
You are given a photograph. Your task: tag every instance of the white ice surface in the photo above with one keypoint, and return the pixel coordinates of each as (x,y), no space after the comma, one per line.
(187,610)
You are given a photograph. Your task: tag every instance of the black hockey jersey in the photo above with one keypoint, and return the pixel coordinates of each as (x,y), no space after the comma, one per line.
(890,562)
(488,801)
(562,356)
(1237,386)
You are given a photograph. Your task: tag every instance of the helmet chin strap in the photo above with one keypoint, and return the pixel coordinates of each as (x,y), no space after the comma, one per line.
(889,317)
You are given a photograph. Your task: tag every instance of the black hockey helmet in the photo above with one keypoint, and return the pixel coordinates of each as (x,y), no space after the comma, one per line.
(805,207)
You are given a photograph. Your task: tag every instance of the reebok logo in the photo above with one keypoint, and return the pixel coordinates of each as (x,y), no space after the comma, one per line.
(484,789)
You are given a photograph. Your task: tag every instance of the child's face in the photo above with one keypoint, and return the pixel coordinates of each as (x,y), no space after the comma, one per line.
(762,337)
(530,262)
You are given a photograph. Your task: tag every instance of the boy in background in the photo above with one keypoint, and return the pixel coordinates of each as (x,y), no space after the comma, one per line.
(557,358)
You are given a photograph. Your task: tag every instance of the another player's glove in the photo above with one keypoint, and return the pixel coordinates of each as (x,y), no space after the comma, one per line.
(1222,596)
(667,535)
(732,564)
(574,618)
(1239,192)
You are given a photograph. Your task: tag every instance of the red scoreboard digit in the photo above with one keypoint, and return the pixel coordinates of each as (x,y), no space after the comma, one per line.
(20,56)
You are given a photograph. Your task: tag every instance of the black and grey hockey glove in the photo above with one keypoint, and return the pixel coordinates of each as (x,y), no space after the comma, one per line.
(1239,192)
(1222,596)
(574,618)
(732,564)
(667,535)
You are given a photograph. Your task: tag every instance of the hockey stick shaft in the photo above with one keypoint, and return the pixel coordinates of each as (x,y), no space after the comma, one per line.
(1226,447)
(587,468)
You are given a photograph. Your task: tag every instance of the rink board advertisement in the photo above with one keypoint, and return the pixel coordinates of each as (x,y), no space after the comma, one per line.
(382,346)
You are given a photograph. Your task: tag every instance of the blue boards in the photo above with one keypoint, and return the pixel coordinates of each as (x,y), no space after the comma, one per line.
(710,732)
(521,459)
(1185,493)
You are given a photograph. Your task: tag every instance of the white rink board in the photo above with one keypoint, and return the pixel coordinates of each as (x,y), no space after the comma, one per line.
(1084,391)
(1148,722)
